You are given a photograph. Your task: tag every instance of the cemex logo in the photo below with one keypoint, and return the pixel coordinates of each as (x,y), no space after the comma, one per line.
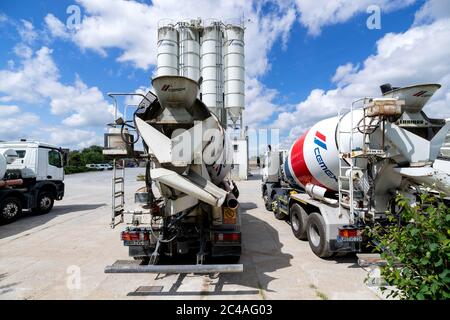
(168,87)
(165,87)
(320,140)
(422,94)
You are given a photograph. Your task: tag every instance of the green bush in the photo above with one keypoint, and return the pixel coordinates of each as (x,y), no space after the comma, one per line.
(75,169)
(416,247)
(78,159)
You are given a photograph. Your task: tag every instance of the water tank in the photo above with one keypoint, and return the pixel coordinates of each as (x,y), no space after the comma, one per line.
(314,157)
(167,51)
(189,53)
(234,71)
(211,68)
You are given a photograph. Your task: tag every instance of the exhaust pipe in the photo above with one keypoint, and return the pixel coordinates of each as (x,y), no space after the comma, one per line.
(231,201)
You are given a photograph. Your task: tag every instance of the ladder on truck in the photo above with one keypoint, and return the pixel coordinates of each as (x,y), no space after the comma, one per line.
(118,192)
(348,157)
(119,155)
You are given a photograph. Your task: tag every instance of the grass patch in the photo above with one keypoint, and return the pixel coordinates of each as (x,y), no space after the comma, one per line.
(321,295)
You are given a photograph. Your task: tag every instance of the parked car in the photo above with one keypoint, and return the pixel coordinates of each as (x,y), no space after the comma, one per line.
(106,166)
(95,166)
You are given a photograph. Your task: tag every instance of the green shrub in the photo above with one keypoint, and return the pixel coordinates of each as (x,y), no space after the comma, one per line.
(75,169)
(416,247)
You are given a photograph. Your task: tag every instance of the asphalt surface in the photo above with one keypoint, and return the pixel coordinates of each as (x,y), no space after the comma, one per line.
(62,255)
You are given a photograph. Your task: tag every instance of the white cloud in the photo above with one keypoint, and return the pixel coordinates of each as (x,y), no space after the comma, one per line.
(431,11)
(73,139)
(315,14)
(23,51)
(132,26)
(16,124)
(3,18)
(342,71)
(135,100)
(27,31)
(415,56)
(8,110)
(260,104)
(37,81)
(56,27)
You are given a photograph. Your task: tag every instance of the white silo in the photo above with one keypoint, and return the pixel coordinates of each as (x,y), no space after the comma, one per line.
(167,51)
(189,50)
(211,68)
(234,71)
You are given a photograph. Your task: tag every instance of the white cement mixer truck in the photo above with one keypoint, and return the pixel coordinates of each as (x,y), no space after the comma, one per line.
(343,174)
(31,178)
(187,206)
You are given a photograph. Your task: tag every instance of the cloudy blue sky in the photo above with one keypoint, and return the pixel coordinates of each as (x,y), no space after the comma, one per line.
(304,59)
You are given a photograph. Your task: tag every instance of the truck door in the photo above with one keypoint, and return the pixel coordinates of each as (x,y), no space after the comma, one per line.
(50,164)
(42,163)
(55,166)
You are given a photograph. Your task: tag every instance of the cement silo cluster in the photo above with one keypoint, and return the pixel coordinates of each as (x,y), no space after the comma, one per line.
(212,53)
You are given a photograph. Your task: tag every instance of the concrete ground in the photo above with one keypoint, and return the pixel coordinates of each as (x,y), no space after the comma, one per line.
(62,255)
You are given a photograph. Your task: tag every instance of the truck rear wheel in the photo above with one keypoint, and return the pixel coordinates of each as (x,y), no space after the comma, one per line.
(10,210)
(45,203)
(317,235)
(299,219)
(279,215)
(267,202)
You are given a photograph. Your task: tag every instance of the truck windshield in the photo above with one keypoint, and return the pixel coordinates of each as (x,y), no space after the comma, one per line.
(21,153)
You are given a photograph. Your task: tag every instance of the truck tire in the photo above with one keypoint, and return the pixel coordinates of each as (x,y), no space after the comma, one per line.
(10,210)
(267,202)
(45,202)
(299,219)
(317,235)
(278,214)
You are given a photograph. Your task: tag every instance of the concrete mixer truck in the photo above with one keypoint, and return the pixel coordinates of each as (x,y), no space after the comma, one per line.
(343,174)
(187,206)
(31,178)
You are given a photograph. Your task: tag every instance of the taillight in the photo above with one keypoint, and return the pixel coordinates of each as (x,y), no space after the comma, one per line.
(134,235)
(126,236)
(227,237)
(347,233)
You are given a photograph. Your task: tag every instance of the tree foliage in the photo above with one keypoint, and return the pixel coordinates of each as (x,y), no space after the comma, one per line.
(79,159)
(416,247)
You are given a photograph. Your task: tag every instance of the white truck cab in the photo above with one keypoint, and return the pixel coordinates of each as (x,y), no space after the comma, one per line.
(36,160)
(37,170)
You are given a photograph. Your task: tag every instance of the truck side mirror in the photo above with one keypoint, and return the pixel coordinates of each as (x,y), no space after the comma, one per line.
(65,156)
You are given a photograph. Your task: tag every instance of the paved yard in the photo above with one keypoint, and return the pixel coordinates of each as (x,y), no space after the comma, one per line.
(40,256)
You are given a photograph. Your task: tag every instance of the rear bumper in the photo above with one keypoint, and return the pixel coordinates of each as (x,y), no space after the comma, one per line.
(336,246)
(126,266)
(226,250)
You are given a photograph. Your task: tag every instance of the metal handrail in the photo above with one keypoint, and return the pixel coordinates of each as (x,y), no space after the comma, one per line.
(113,95)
